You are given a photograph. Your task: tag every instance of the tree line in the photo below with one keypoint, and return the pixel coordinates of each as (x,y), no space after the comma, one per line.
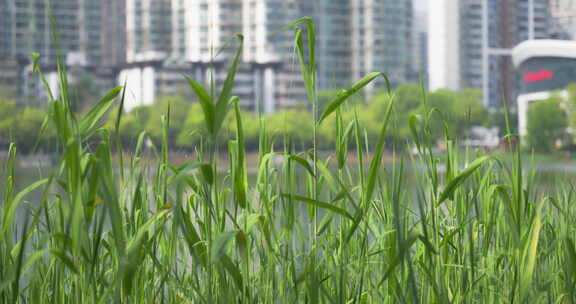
(456,112)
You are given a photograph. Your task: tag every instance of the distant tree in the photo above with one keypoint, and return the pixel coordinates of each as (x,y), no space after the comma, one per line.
(325,96)
(84,93)
(7,93)
(458,110)
(251,126)
(8,118)
(498,119)
(469,110)
(408,98)
(130,127)
(22,125)
(178,112)
(547,122)
(293,125)
(27,128)
(571,105)
(193,128)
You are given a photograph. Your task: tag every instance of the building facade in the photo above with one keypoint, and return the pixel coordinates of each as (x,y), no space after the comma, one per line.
(26,28)
(382,32)
(420,46)
(479,57)
(87,34)
(354,38)
(148,30)
(564,17)
(113,36)
(157,41)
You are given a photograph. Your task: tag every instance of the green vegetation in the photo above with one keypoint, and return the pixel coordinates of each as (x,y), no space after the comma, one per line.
(546,123)
(460,110)
(21,124)
(307,230)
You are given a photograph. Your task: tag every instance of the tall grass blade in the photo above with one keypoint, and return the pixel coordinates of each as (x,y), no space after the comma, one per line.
(460,178)
(239,173)
(223,104)
(343,95)
(207,105)
(319,204)
(95,114)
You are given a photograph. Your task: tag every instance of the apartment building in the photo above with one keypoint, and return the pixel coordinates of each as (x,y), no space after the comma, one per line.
(564,17)
(152,43)
(465,54)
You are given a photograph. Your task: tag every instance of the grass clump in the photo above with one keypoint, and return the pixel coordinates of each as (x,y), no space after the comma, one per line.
(465,229)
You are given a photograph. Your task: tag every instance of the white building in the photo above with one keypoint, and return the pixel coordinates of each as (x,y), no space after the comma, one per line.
(444,45)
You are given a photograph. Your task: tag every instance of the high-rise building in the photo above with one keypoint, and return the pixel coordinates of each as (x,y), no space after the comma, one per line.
(202,44)
(203,28)
(420,46)
(270,54)
(151,43)
(6,29)
(564,17)
(26,26)
(354,38)
(444,45)
(113,37)
(332,23)
(148,30)
(382,38)
(476,56)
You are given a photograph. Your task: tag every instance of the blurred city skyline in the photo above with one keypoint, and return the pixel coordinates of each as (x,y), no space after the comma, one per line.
(152,43)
